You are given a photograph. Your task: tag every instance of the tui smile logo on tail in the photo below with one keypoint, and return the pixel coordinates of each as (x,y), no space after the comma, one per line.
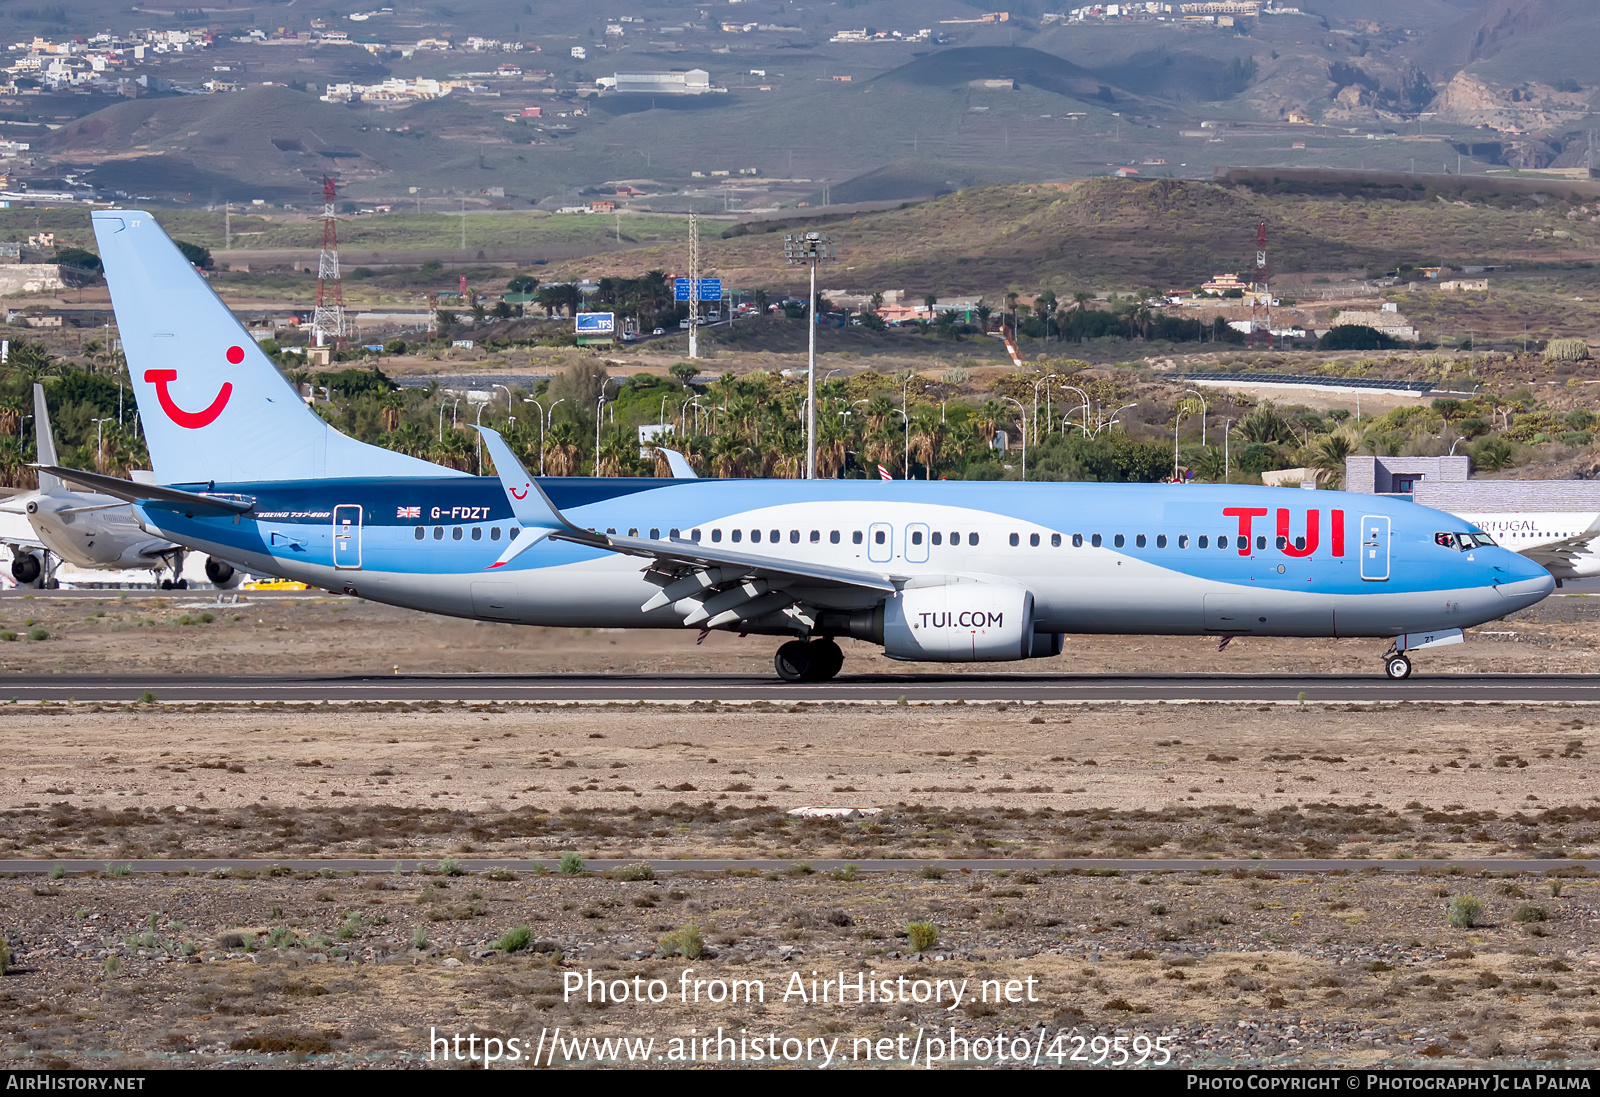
(191,420)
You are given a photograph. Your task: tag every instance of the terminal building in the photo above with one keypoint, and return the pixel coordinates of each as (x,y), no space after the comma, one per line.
(692,82)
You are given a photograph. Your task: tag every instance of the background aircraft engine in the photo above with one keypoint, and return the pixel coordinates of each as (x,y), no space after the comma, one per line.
(222,574)
(25,568)
(959,623)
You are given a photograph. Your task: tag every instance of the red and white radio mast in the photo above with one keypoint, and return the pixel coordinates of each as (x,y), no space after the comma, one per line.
(1259,293)
(327,324)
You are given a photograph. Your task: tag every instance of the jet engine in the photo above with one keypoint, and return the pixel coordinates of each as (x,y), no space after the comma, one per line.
(25,568)
(958,622)
(223,575)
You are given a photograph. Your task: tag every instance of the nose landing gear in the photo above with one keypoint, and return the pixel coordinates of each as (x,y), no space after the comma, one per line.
(1397,666)
(813,661)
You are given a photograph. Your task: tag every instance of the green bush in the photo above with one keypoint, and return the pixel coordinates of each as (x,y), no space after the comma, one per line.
(1566,350)
(515,940)
(7,635)
(931,872)
(633,873)
(419,938)
(5,955)
(846,873)
(1464,911)
(119,870)
(37,633)
(57,871)
(922,935)
(571,864)
(451,867)
(685,942)
(1528,912)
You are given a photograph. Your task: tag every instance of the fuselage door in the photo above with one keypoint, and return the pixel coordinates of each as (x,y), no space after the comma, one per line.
(916,545)
(347,536)
(1374,547)
(880,542)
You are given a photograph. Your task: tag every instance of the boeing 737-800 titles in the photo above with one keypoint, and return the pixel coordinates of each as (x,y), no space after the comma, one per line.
(931,571)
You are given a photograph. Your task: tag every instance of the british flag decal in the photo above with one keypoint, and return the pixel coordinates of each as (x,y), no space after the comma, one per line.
(408,512)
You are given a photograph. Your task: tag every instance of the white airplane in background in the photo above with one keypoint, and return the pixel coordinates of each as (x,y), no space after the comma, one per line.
(1566,543)
(98,532)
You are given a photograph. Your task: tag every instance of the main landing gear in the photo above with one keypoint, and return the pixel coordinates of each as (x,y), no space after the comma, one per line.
(808,661)
(1396,666)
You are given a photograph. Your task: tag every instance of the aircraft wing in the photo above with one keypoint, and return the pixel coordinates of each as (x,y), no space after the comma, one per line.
(169,498)
(1563,555)
(711,585)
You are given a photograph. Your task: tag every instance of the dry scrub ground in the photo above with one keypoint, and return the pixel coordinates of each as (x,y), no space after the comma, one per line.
(1230,968)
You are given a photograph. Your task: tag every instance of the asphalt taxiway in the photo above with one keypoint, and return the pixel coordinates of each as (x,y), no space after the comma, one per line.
(969,688)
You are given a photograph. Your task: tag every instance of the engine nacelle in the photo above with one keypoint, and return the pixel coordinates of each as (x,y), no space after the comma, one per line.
(223,575)
(959,623)
(25,568)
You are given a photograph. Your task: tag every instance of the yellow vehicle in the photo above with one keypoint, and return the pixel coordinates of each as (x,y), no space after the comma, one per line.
(275,584)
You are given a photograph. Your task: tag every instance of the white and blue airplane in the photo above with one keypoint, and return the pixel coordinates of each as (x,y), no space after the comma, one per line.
(931,571)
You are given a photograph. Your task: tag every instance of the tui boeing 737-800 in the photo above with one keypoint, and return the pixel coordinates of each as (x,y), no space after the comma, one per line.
(940,571)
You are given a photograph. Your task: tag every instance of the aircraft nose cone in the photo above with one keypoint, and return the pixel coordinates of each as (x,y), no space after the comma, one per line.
(1523,592)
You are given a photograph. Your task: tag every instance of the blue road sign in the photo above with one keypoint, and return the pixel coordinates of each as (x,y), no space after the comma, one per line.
(710,290)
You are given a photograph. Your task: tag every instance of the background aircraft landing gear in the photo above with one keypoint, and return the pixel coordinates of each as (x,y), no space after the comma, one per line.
(816,661)
(1397,666)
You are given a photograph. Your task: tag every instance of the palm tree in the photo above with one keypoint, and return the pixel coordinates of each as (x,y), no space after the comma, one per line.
(927,438)
(561,450)
(992,418)
(1328,453)
(1082,298)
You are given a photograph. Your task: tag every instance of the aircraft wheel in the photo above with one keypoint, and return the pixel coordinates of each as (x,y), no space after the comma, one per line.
(52,584)
(1397,667)
(826,660)
(793,661)
(166,584)
(25,568)
(182,584)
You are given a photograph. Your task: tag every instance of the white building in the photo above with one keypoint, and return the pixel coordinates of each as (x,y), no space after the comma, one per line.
(693,82)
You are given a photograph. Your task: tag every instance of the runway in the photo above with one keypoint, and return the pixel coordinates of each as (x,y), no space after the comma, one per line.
(799,866)
(736,689)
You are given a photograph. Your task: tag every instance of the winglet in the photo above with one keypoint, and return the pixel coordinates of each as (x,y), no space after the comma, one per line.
(48,484)
(529,503)
(681,469)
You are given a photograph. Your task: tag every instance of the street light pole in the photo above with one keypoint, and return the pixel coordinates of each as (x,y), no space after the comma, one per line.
(1085,396)
(99,445)
(810,248)
(1203,408)
(1022,428)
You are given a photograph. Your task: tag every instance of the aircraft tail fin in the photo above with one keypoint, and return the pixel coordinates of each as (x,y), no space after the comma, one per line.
(212,404)
(48,484)
(678,463)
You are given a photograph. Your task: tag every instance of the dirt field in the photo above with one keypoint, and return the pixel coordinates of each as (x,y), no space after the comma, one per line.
(1220,967)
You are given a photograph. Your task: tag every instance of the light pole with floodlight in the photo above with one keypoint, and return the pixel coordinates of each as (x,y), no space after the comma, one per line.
(810,248)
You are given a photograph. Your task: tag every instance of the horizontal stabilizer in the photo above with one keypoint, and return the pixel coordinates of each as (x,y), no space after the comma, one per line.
(171,498)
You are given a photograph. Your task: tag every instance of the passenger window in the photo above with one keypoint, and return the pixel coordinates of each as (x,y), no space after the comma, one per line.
(1243,543)
(633,531)
(1055,540)
(611,530)
(511,534)
(1300,543)
(1015,540)
(1222,542)
(694,535)
(855,537)
(673,534)
(1283,542)
(1138,541)
(1261,543)
(1161,540)
(455,532)
(438,533)
(755,536)
(972,538)
(937,538)
(1077,540)
(494,533)
(716,535)
(1204,542)
(736,535)
(1096,540)
(916,537)
(655,533)
(955,538)
(776,536)
(1119,541)
(794,536)
(477,533)
(1033,540)
(833,537)
(880,537)
(816,536)
(1183,540)
(421,533)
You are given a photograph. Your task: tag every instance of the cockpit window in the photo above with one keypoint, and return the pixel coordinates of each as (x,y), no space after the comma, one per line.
(1463,542)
